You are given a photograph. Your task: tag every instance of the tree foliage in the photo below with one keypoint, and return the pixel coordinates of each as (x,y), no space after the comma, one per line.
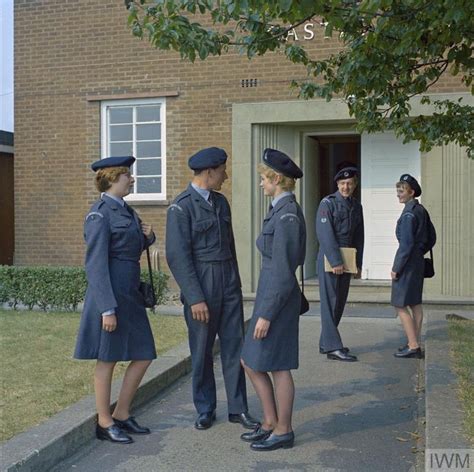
(391,51)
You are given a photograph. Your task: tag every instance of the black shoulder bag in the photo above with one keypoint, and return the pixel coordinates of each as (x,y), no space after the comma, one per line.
(429,266)
(304,301)
(147,289)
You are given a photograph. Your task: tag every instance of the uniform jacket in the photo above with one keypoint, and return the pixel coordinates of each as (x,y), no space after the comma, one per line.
(110,232)
(414,231)
(340,223)
(197,232)
(282,244)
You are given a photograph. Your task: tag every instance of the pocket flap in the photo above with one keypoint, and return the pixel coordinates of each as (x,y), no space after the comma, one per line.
(203,225)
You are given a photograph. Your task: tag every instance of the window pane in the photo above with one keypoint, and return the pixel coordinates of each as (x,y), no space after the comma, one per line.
(145,132)
(148,167)
(121,133)
(148,113)
(149,185)
(121,149)
(121,115)
(149,149)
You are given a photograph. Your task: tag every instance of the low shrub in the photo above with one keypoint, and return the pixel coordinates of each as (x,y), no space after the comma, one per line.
(56,288)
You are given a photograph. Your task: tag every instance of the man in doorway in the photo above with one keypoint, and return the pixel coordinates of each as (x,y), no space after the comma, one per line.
(201,254)
(339,223)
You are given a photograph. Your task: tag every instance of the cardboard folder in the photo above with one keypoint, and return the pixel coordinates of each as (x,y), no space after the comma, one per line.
(348,259)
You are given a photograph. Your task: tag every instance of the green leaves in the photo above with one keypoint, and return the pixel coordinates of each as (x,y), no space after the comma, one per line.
(394,50)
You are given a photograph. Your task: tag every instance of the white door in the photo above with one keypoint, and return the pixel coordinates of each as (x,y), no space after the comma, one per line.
(384,158)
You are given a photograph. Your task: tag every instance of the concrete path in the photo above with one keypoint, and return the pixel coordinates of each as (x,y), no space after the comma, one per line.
(348,416)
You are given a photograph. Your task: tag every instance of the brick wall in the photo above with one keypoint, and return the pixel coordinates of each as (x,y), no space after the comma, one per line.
(67,50)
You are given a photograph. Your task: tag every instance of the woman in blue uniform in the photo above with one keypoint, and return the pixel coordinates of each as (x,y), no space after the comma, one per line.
(114,325)
(271,342)
(416,235)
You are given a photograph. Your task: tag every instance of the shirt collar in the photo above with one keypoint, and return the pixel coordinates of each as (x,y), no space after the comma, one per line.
(279,197)
(202,191)
(120,201)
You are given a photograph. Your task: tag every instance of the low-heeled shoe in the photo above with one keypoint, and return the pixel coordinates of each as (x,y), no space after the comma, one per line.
(286,441)
(256,435)
(340,355)
(113,433)
(205,420)
(244,419)
(344,349)
(131,426)
(408,353)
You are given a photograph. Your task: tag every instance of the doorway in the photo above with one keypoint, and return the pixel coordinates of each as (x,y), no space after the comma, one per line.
(323,155)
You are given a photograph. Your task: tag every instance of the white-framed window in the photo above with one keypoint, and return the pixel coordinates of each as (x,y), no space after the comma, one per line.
(137,127)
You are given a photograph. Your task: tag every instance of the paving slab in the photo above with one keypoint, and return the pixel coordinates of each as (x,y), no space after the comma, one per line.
(360,416)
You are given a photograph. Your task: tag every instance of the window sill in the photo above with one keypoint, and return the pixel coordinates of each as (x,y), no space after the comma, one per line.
(135,203)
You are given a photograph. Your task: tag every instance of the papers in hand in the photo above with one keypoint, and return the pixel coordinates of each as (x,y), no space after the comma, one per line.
(348,259)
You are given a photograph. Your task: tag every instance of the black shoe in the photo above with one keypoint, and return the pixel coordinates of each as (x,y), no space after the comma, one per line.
(256,435)
(131,426)
(340,355)
(274,441)
(205,420)
(113,433)
(344,349)
(408,353)
(402,348)
(244,419)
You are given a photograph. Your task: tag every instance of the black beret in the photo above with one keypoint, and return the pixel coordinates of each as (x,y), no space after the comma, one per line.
(280,162)
(412,182)
(122,161)
(346,173)
(207,158)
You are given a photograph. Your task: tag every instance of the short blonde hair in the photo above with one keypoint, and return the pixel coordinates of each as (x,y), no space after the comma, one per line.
(287,184)
(104,178)
(404,186)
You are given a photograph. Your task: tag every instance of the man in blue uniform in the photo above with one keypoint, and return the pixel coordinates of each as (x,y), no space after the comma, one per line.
(339,223)
(200,251)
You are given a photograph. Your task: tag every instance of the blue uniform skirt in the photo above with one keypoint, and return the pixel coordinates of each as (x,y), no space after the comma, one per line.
(408,288)
(133,338)
(279,349)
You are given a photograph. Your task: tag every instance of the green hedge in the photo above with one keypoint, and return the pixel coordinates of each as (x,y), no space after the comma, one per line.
(56,288)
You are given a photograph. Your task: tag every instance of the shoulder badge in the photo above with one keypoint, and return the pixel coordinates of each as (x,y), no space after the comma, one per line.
(94,215)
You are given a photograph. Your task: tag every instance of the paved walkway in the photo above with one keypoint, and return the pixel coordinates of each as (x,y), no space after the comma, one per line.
(348,416)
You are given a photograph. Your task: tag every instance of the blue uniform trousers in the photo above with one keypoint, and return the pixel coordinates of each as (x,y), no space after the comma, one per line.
(221,286)
(333,292)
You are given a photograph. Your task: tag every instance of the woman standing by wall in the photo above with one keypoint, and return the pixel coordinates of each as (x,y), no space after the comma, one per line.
(271,342)
(416,235)
(114,324)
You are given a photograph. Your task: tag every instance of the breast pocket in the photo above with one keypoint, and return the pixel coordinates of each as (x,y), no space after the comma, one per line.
(120,225)
(268,235)
(201,233)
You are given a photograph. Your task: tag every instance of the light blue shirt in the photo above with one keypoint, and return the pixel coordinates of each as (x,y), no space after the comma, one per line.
(202,191)
(119,200)
(279,197)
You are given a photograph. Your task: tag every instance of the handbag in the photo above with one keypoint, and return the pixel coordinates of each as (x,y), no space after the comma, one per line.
(147,289)
(429,266)
(304,301)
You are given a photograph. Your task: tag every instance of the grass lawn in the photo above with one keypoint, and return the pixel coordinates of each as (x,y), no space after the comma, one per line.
(39,376)
(461,334)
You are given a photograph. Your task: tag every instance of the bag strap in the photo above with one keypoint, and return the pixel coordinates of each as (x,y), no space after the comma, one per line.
(149,272)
